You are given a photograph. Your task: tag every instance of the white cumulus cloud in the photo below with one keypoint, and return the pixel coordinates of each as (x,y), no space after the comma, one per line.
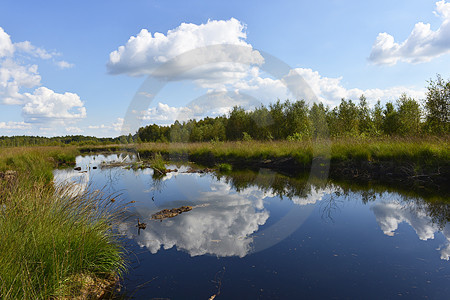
(46,104)
(422,45)
(222,224)
(390,214)
(216,56)
(13,76)
(330,90)
(41,105)
(6,46)
(221,55)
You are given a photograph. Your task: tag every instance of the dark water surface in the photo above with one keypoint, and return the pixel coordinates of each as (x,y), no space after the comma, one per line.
(262,235)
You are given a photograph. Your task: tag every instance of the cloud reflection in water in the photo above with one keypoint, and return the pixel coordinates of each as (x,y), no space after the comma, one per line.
(390,214)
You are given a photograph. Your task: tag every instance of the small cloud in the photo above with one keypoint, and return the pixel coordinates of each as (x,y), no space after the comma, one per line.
(64,64)
(145,94)
(14,125)
(75,130)
(117,126)
(102,126)
(32,50)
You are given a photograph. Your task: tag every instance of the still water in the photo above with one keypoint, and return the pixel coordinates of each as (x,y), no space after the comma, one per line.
(262,235)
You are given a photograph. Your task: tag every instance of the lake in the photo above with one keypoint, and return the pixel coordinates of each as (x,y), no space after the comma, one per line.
(263,235)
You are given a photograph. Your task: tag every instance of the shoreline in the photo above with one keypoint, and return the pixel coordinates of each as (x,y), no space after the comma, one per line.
(418,164)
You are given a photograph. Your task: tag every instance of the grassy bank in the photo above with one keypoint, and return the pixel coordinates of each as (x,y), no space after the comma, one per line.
(418,150)
(52,245)
(423,162)
(37,163)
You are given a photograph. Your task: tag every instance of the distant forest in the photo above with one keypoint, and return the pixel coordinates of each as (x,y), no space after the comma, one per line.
(297,120)
(24,140)
(292,121)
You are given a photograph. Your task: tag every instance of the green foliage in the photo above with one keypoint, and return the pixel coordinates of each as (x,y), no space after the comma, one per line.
(377,119)
(246,137)
(296,137)
(390,119)
(261,121)
(408,116)
(348,121)
(366,123)
(318,119)
(296,118)
(437,106)
(237,123)
(158,164)
(224,167)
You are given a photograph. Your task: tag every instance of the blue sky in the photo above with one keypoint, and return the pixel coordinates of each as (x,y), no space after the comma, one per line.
(62,71)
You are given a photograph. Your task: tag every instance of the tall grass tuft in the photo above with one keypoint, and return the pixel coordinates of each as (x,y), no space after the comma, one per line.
(52,238)
(37,162)
(158,164)
(49,237)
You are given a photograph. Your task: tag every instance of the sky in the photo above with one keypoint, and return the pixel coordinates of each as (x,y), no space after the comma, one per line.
(104,68)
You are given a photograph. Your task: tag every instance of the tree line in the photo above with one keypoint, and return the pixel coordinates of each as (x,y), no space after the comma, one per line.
(290,121)
(24,140)
(297,120)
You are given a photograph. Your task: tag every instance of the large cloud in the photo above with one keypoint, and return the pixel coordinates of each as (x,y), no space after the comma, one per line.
(213,67)
(42,105)
(422,45)
(220,225)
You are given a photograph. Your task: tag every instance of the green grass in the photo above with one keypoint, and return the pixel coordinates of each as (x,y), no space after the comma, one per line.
(224,167)
(416,150)
(36,162)
(48,237)
(425,150)
(157,163)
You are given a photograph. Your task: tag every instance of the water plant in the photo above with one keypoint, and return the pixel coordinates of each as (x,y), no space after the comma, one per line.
(158,164)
